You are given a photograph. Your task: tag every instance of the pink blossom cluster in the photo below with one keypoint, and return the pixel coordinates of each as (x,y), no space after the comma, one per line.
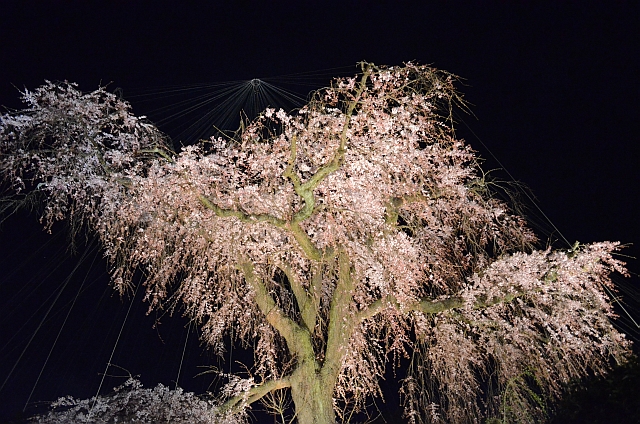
(352,233)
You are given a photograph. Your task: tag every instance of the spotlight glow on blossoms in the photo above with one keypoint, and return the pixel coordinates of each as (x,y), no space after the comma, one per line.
(336,240)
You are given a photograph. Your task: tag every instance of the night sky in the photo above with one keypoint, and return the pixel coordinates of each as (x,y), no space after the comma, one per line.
(554,90)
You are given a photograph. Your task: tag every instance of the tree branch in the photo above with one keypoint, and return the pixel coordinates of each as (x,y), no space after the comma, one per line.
(298,338)
(429,306)
(306,190)
(426,306)
(255,393)
(289,173)
(304,299)
(242,216)
(338,158)
(158,151)
(395,203)
(305,242)
(298,233)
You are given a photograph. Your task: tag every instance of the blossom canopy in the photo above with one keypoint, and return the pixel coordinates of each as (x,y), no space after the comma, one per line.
(335,239)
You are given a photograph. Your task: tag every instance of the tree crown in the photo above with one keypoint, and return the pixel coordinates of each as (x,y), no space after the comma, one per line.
(353,231)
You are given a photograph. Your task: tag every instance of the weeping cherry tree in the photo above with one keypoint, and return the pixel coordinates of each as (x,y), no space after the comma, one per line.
(352,235)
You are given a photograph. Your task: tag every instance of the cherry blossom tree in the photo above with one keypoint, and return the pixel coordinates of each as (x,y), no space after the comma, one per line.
(132,403)
(336,241)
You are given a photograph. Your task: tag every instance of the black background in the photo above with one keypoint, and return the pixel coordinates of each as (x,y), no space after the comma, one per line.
(554,89)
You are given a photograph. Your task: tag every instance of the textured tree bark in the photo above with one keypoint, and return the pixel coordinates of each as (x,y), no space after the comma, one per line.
(312,396)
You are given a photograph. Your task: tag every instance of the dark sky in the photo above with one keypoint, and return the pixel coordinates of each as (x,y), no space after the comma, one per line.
(554,89)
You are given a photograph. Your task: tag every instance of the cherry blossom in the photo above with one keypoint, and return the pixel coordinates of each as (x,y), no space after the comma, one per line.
(337,240)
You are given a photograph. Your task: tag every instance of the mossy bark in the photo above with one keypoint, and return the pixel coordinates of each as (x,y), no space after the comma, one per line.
(312,396)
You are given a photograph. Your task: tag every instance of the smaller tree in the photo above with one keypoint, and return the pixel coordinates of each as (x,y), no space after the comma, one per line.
(133,404)
(335,240)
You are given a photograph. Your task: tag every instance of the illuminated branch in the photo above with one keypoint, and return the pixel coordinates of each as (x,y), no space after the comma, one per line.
(395,203)
(298,338)
(305,300)
(305,242)
(306,190)
(255,393)
(298,233)
(339,156)
(158,151)
(341,325)
(289,172)
(242,216)
(426,306)
(430,307)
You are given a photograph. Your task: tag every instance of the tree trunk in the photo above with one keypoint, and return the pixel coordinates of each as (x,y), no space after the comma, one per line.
(312,397)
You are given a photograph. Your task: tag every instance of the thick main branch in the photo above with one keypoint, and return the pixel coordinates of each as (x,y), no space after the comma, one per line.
(341,324)
(255,393)
(294,228)
(298,338)
(430,306)
(305,190)
(426,306)
(242,216)
(306,302)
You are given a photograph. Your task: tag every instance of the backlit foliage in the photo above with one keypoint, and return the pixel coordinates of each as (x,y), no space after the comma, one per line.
(335,240)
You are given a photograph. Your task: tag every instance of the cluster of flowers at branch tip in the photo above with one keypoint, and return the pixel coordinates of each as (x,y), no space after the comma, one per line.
(352,233)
